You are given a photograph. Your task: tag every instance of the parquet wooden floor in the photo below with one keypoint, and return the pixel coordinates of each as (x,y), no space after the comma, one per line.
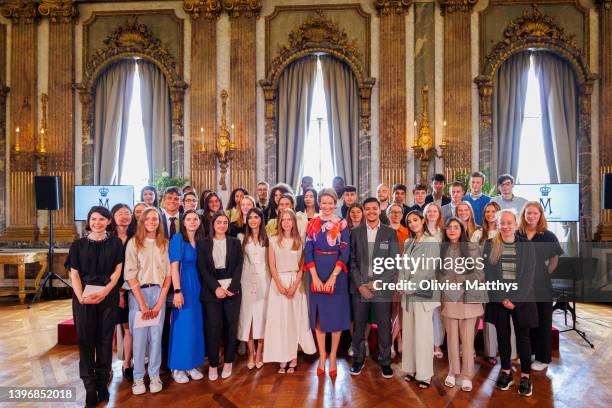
(578,377)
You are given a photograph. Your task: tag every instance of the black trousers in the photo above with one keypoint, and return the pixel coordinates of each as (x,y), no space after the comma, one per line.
(542,335)
(221,323)
(523,342)
(95,327)
(382,317)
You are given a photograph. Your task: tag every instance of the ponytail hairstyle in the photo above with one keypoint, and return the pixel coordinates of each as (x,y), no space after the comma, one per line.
(497,244)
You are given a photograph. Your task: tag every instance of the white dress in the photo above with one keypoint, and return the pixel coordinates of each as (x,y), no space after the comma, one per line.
(255,283)
(287,324)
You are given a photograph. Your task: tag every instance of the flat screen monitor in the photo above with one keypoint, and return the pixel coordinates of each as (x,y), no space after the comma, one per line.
(87,196)
(561,202)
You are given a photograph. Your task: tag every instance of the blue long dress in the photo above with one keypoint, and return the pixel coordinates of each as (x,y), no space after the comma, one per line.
(327,246)
(186,346)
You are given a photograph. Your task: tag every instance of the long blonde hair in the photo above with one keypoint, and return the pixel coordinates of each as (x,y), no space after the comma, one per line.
(485,224)
(439,223)
(497,244)
(295,234)
(141,231)
(542,223)
(470,226)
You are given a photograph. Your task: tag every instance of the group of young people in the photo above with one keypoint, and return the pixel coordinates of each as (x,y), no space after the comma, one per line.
(279,272)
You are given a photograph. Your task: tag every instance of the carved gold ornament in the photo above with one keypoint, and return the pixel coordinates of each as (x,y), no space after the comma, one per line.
(20,11)
(246,8)
(59,10)
(210,8)
(385,7)
(451,6)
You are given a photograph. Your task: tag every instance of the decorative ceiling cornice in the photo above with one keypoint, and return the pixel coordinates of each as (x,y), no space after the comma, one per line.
(20,11)
(210,8)
(59,10)
(605,5)
(451,6)
(385,7)
(244,8)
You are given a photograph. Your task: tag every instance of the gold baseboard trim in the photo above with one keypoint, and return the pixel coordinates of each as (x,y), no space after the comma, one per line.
(604,232)
(60,234)
(25,233)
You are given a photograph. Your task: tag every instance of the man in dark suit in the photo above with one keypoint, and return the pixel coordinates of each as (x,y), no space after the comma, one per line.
(438,182)
(370,241)
(171,217)
(299,200)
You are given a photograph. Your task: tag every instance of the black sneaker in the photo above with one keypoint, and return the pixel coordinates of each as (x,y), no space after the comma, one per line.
(356,368)
(386,371)
(128,374)
(525,389)
(504,381)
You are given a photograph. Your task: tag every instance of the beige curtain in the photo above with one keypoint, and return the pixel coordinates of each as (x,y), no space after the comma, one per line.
(111,120)
(509,94)
(559,101)
(295,90)
(156,118)
(342,100)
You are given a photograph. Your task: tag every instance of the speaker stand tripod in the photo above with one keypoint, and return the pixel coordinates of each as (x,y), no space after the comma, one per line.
(48,278)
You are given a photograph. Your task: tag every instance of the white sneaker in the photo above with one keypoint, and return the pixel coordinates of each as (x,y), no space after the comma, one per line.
(227,370)
(180,376)
(213,373)
(195,374)
(538,366)
(138,387)
(155,385)
(351,353)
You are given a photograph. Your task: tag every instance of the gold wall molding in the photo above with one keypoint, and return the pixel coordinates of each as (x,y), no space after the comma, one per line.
(452,6)
(209,8)
(385,7)
(457,86)
(605,4)
(243,102)
(535,30)
(59,10)
(132,39)
(20,11)
(242,8)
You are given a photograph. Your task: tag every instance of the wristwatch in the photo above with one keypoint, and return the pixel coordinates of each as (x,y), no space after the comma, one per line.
(177,290)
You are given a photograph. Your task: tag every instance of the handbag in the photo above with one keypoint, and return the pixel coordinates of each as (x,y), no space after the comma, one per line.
(313,289)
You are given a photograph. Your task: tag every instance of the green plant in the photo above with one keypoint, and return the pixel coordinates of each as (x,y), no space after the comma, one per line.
(163,181)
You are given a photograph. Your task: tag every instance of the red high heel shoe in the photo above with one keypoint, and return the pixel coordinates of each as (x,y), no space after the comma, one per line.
(333,373)
(320,371)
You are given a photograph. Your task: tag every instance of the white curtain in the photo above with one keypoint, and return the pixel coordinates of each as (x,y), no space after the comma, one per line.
(509,94)
(559,101)
(342,100)
(156,118)
(113,95)
(295,91)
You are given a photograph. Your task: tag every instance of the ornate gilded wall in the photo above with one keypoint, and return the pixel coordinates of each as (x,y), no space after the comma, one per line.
(398,46)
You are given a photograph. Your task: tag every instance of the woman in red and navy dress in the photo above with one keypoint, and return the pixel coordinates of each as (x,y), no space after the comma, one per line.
(326,254)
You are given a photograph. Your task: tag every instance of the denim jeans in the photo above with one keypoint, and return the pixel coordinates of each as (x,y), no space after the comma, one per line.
(151,335)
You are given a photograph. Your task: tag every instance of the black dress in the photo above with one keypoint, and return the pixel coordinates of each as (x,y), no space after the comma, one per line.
(234,229)
(95,324)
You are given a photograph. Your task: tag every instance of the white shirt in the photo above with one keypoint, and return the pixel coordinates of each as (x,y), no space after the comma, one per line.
(372,232)
(219,252)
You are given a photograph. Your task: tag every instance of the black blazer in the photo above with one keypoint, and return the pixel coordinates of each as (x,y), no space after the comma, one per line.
(385,246)
(526,310)
(206,267)
(430,199)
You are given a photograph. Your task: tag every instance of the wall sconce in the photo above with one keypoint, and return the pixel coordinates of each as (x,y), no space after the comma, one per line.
(423,146)
(224,147)
(17,146)
(41,151)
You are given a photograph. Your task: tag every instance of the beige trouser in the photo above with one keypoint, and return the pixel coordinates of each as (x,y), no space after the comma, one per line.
(417,341)
(460,331)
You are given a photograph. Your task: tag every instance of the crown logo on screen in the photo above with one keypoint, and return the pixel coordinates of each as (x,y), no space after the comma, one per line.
(545,190)
(103,191)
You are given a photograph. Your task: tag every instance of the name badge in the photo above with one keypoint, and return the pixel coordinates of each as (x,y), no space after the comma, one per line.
(384,245)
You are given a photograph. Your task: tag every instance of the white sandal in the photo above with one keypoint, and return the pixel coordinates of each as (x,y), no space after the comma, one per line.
(449,381)
(466,385)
